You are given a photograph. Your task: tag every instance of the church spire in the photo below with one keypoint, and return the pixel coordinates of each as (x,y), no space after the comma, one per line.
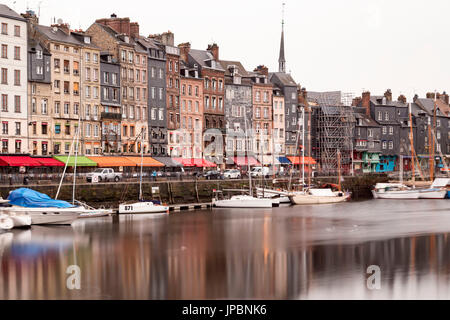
(282,59)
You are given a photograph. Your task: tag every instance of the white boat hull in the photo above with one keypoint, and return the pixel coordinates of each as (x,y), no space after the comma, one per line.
(47,216)
(306,199)
(246,202)
(142,208)
(400,195)
(21,221)
(6,223)
(96,213)
(272,194)
(433,194)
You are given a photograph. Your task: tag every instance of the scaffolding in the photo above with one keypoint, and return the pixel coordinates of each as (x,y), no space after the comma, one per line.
(335,127)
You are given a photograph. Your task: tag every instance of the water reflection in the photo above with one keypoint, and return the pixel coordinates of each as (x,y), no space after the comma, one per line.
(289,253)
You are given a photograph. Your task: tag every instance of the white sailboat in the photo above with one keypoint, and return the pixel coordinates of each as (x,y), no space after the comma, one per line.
(310,196)
(142,207)
(245,201)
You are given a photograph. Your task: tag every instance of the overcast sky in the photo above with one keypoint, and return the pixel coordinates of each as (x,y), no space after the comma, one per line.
(346,45)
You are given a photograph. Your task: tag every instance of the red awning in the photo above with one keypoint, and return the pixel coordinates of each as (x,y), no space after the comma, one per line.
(49,162)
(244,161)
(200,163)
(299,160)
(18,161)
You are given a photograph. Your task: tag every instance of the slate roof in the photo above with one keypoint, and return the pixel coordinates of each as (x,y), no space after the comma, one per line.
(285,78)
(325,98)
(115,35)
(428,105)
(201,56)
(360,113)
(7,12)
(32,43)
(241,69)
(58,35)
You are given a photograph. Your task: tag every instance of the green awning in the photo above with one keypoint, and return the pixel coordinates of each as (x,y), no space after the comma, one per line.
(81,161)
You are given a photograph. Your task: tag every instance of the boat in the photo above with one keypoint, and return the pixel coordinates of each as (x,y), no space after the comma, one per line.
(245,201)
(282,196)
(395,191)
(6,223)
(142,207)
(41,209)
(19,220)
(440,189)
(319,196)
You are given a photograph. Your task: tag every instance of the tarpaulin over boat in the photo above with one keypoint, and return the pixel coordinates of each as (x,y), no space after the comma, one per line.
(28,198)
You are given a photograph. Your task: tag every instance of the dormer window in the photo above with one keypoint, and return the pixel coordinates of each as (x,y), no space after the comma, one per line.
(39,54)
(87,39)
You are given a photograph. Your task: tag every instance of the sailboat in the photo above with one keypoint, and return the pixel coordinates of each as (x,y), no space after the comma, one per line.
(436,191)
(142,207)
(401,191)
(245,201)
(309,196)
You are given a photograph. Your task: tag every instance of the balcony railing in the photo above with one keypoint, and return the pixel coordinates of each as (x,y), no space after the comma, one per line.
(111,116)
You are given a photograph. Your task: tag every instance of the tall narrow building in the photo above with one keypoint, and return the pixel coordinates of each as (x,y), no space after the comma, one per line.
(13,83)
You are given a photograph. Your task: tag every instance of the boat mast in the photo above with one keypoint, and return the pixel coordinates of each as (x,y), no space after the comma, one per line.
(246,155)
(77,139)
(296,148)
(401,169)
(411,141)
(142,164)
(261,150)
(65,168)
(433,145)
(303,148)
(309,146)
(339,170)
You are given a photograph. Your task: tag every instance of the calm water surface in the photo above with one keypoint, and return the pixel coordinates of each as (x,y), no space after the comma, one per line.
(313,252)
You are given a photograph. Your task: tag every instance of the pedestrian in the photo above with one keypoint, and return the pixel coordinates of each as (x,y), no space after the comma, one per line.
(154,174)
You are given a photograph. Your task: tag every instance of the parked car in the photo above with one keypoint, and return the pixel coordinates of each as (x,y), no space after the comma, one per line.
(258,172)
(232,174)
(104,175)
(213,175)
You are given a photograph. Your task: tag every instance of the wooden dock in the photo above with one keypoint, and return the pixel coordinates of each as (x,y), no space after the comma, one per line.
(191,206)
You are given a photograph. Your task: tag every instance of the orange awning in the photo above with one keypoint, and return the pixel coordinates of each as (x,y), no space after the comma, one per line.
(148,162)
(108,162)
(299,160)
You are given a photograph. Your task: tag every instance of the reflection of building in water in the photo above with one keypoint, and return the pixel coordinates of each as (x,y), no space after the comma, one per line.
(202,257)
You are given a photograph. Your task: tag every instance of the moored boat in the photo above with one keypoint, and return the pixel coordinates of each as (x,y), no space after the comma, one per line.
(319,196)
(41,208)
(246,201)
(394,191)
(144,207)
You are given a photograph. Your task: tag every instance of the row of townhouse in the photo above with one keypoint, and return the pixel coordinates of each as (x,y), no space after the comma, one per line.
(123,91)
(383,129)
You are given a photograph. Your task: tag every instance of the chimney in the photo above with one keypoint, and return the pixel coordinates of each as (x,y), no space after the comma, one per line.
(214,48)
(304,93)
(31,17)
(262,70)
(356,101)
(184,50)
(445,97)
(402,99)
(134,30)
(168,38)
(388,95)
(366,102)
(120,25)
(415,98)
(64,27)
(430,95)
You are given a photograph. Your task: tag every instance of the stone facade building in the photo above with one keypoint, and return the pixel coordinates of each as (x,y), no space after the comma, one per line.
(39,97)
(278,122)
(190,138)
(117,36)
(110,93)
(13,82)
(238,110)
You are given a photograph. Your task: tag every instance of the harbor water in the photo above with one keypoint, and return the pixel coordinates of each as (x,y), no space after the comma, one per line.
(310,252)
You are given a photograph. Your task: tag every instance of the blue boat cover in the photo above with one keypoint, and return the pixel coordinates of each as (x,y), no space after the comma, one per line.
(28,198)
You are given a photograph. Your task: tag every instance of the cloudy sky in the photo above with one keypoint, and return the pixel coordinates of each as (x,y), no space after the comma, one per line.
(347,45)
